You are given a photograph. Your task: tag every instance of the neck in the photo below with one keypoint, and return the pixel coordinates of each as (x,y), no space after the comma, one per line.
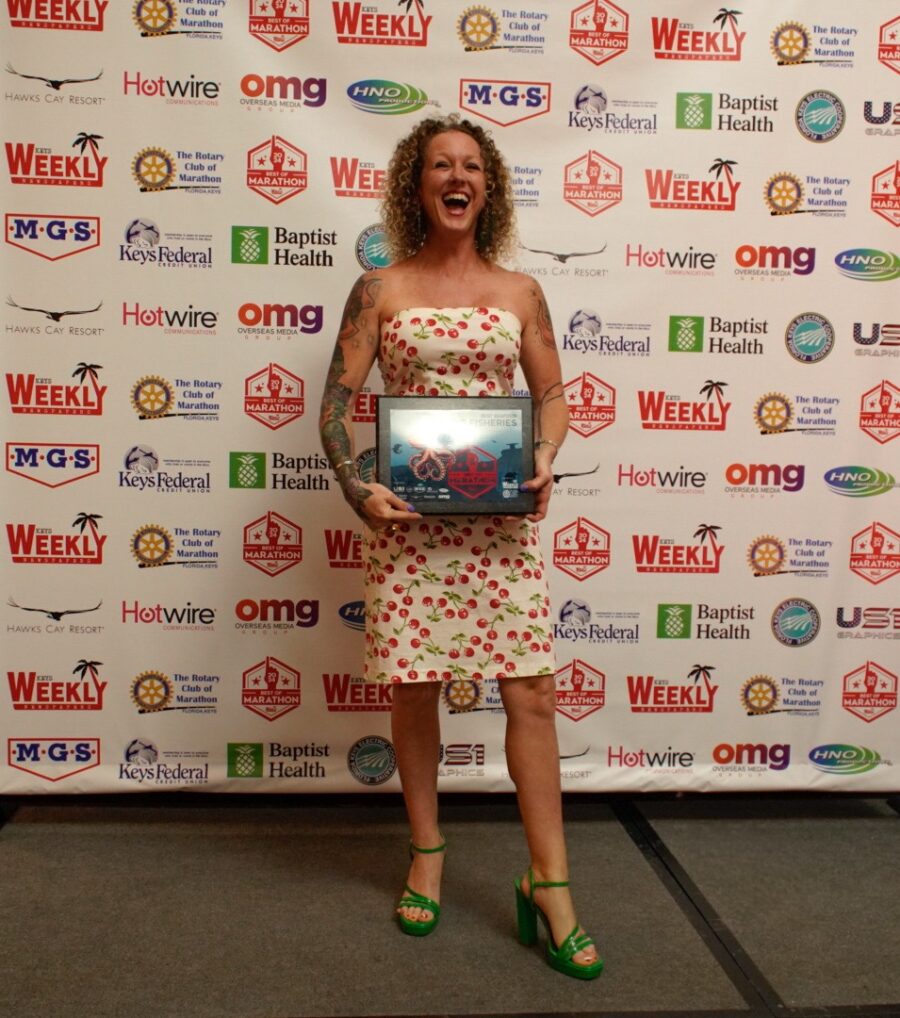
(449,253)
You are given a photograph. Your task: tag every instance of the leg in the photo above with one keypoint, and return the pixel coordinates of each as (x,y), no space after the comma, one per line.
(415,730)
(532,756)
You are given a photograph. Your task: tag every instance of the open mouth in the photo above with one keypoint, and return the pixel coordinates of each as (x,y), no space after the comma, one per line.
(456,200)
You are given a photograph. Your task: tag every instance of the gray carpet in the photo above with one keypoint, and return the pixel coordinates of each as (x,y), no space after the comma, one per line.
(809,887)
(255,911)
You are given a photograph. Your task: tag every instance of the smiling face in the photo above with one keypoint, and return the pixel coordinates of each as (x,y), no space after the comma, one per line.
(452,187)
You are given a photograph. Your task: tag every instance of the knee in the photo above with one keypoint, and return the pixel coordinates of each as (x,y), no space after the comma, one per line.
(415,696)
(533,697)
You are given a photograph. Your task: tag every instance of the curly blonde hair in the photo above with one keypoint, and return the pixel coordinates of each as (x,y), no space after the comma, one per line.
(401,210)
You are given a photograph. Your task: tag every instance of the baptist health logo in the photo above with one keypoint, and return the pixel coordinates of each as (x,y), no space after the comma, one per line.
(246,470)
(673,621)
(686,333)
(250,245)
(693,111)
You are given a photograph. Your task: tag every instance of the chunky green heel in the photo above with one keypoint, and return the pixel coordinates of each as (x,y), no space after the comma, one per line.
(412,899)
(559,958)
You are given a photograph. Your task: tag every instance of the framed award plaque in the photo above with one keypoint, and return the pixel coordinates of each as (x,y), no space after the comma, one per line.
(454,455)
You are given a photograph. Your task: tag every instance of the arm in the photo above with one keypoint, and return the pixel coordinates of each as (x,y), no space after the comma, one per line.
(354,354)
(540,363)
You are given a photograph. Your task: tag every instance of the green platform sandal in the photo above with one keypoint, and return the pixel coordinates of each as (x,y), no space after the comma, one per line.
(559,958)
(412,899)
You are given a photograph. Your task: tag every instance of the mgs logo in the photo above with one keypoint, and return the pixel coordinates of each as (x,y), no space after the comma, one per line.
(870,691)
(598,30)
(53,759)
(592,183)
(274,396)
(504,102)
(29,164)
(52,465)
(273,544)
(277,23)
(271,689)
(580,690)
(875,553)
(52,237)
(276,169)
(879,412)
(591,402)
(581,549)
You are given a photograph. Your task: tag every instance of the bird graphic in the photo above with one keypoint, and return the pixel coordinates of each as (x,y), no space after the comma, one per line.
(54,316)
(56,616)
(55,83)
(563,257)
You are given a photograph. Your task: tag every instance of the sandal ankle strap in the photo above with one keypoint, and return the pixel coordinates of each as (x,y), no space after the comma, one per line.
(427,851)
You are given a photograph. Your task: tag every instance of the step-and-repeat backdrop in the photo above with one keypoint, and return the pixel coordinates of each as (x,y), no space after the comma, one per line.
(710,199)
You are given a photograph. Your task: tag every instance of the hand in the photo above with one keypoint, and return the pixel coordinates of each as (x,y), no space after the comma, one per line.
(379,507)
(542,486)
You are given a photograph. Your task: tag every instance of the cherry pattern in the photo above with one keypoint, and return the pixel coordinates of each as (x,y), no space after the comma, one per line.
(454,597)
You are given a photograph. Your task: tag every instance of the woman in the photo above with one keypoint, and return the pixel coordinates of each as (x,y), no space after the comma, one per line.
(442,593)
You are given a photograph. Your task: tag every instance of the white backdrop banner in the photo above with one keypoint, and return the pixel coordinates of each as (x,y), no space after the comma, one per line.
(710,199)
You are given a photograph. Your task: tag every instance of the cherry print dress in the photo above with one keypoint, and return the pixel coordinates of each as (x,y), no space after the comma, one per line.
(454,597)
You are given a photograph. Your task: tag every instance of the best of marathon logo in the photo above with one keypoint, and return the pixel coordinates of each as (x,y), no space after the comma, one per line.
(870,691)
(30,544)
(51,236)
(674,39)
(580,690)
(889,44)
(598,30)
(667,189)
(504,102)
(662,411)
(364,24)
(30,164)
(30,691)
(274,396)
(591,402)
(271,689)
(52,465)
(879,412)
(276,169)
(592,183)
(655,554)
(273,543)
(29,394)
(277,23)
(875,553)
(581,549)
(70,15)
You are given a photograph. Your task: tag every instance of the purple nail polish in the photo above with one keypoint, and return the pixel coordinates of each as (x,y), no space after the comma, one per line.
(410,507)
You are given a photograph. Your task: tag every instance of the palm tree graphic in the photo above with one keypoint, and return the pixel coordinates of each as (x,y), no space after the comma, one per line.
(699,672)
(723,164)
(83,370)
(83,520)
(86,666)
(710,389)
(727,17)
(708,530)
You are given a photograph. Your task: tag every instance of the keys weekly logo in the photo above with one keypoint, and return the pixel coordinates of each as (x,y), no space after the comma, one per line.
(30,544)
(28,163)
(696,695)
(69,15)
(667,189)
(353,178)
(29,394)
(30,691)
(662,411)
(674,39)
(364,24)
(656,554)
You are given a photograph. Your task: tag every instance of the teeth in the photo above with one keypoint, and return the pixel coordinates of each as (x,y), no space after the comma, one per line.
(456,198)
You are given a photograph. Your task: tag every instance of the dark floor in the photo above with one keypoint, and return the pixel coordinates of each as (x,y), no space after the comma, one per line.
(255,907)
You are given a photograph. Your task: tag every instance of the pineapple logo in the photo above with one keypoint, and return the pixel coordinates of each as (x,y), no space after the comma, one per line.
(250,245)
(246,470)
(673,621)
(245,759)
(686,333)
(693,111)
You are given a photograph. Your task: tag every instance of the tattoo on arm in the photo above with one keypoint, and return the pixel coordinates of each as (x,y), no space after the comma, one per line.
(360,300)
(542,319)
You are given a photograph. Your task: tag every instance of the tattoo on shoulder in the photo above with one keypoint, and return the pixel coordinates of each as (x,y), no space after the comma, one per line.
(542,319)
(361,299)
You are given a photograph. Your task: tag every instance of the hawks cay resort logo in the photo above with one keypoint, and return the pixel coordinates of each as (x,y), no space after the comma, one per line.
(590,111)
(663,411)
(81,16)
(688,334)
(262,245)
(52,464)
(520,30)
(694,112)
(153,546)
(825,195)
(591,402)
(826,45)
(579,624)
(54,317)
(674,39)
(379,23)
(189,91)
(656,554)
(29,690)
(145,244)
(156,19)
(280,93)
(667,189)
(56,625)
(585,334)
(28,163)
(55,96)
(387,98)
(155,691)
(144,470)
(696,694)
(49,236)
(156,169)
(278,23)
(504,102)
(770,555)
(155,398)
(33,394)
(30,544)
(598,31)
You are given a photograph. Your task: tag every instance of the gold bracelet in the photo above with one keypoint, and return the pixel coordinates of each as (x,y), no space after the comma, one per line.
(343,463)
(546,441)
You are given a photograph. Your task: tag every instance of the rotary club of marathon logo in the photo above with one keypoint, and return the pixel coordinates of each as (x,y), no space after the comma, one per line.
(154,398)
(279,23)
(153,545)
(580,690)
(581,549)
(276,169)
(885,199)
(870,691)
(879,412)
(592,183)
(592,404)
(875,553)
(273,396)
(273,544)
(155,169)
(271,689)
(156,19)
(598,30)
